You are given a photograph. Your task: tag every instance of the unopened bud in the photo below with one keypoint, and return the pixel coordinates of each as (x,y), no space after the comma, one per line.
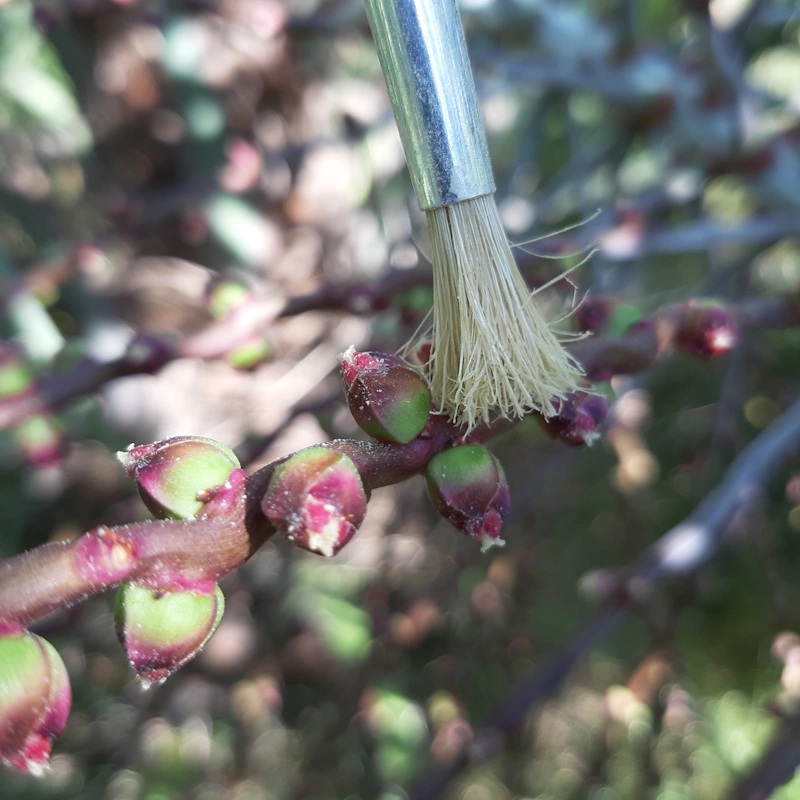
(174,476)
(40,440)
(35,698)
(577,418)
(250,354)
(706,329)
(388,399)
(316,500)
(161,631)
(468,487)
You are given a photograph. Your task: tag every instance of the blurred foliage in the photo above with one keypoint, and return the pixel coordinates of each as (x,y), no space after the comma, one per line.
(148,147)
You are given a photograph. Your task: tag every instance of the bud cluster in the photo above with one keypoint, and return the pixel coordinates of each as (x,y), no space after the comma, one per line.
(180,478)
(38,437)
(234,303)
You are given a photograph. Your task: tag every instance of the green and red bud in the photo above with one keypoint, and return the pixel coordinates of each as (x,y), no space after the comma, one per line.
(35,698)
(161,631)
(40,440)
(577,418)
(706,329)
(468,487)
(174,476)
(316,500)
(388,399)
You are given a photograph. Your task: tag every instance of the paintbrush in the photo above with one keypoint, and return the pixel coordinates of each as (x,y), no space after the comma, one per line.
(493,354)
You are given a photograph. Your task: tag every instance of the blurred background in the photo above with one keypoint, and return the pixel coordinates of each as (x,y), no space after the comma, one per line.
(223,181)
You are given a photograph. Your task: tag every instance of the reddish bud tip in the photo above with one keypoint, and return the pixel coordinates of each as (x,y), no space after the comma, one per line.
(35,699)
(577,418)
(467,486)
(161,631)
(388,399)
(706,329)
(171,475)
(316,500)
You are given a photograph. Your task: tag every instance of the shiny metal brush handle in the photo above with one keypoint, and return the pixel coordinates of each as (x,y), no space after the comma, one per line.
(424,60)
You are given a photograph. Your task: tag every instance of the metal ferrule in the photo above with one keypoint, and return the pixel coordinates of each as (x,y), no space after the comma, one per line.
(424,60)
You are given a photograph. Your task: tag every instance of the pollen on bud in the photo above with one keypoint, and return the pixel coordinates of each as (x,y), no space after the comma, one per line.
(172,476)
(35,699)
(706,329)
(316,500)
(468,487)
(161,631)
(388,399)
(577,418)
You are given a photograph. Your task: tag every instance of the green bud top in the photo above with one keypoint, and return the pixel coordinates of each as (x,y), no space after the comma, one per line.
(35,698)
(225,297)
(162,631)
(388,399)
(15,378)
(172,475)
(250,354)
(468,487)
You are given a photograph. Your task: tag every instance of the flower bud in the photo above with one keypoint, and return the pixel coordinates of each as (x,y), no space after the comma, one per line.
(40,440)
(388,399)
(468,487)
(172,476)
(250,354)
(162,631)
(577,418)
(35,698)
(706,329)
(316,500)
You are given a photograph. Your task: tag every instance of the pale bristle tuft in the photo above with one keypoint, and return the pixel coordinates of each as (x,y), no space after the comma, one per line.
(494,354)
